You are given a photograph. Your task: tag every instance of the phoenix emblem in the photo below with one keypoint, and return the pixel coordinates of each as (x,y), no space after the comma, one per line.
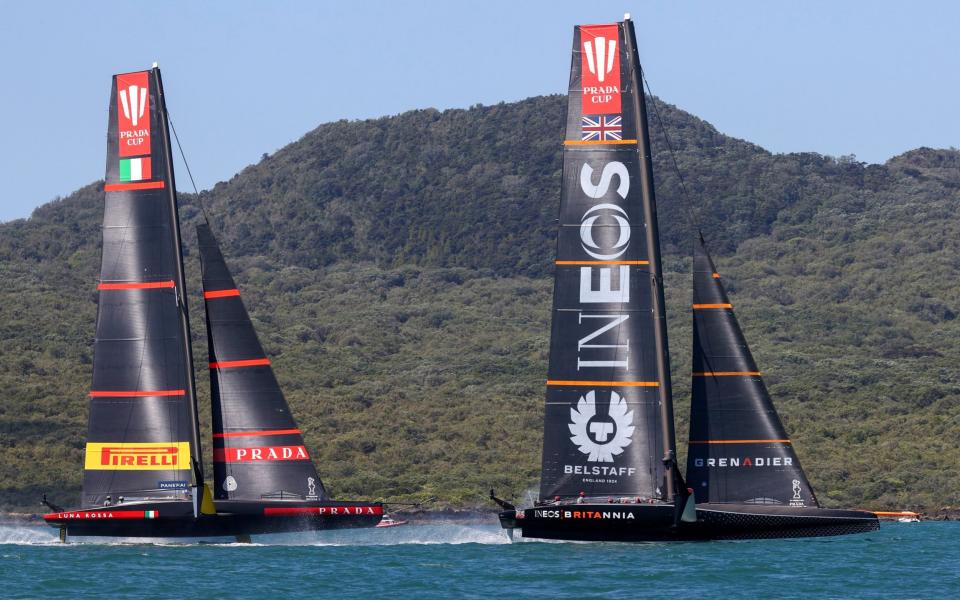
(601,438)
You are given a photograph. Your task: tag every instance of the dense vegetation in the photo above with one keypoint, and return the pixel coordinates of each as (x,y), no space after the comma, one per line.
(398,271)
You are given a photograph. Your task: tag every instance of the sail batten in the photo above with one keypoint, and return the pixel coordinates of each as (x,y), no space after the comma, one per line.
(739,451)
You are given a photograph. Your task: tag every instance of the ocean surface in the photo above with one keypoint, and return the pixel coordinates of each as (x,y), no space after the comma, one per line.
(902,560)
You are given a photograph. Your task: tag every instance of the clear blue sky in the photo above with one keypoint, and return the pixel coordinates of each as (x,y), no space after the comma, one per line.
(871,78)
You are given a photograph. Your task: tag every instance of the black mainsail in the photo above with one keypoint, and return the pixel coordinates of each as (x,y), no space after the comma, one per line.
(258,450)
(143,439)
(608,423)
(739,451)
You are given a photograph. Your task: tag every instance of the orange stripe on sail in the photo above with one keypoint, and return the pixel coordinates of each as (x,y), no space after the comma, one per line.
(604,383)
(146,285)
(596,142)
(702,306)
(221,293)
(586,263)
(135,394)
(727,374)
(739,442)
(229,364)
(231,434)
(716,275)
(123,187)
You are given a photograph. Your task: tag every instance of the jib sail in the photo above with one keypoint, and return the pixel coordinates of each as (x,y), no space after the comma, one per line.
(608,415)
(739,451)
(143,439)
(258,450)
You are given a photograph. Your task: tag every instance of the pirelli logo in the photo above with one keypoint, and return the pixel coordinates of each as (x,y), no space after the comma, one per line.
(130,456)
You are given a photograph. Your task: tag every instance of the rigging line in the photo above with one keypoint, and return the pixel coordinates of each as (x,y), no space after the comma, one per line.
(688,202)
(186,164)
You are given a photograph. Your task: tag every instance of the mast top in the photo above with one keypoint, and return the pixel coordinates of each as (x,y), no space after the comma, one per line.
(626,16)
(156,65)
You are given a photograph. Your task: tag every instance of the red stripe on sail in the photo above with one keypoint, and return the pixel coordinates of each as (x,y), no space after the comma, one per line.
(231,434)
(146,285)
(229,364)
(123,187)
(221,294)
(135,393)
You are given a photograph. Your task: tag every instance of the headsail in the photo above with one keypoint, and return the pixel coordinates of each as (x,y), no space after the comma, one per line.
(258,450)
(739,451)
(143,440)
(608,423)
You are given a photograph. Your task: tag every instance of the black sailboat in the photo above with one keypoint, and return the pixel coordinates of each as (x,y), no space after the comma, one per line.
(609,455)
(143,473)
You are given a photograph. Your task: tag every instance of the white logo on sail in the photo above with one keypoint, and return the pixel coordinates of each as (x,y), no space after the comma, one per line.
(796,489)
(601,438)
(600,55)
(229,484)
(311,487)
(587,224)
(133,108)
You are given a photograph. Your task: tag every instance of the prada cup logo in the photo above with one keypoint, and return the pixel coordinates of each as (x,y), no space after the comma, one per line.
(601,437)
(600,53)
(589,221)
(134,103)
(796,489)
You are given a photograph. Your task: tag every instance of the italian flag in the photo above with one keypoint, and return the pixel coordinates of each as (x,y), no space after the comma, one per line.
(134,169)
(149,514)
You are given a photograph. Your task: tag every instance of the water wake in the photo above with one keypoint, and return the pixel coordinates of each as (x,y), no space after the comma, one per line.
(407,534)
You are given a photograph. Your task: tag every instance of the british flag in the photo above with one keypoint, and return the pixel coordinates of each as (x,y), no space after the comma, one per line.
(601,128)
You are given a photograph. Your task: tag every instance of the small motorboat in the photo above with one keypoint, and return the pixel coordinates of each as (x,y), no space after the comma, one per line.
(390,522)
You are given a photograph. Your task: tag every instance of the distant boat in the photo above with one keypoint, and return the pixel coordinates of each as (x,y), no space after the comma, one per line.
(609,468)
(390,522)
(143,474)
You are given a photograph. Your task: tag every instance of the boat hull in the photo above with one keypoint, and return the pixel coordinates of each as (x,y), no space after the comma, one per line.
(238,519)
(655,522)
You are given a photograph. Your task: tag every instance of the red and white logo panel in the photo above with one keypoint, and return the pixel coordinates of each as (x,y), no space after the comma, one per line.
(133,113)
(260,454)
(600,69)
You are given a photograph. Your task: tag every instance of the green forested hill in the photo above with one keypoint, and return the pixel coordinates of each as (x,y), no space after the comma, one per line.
(398,271)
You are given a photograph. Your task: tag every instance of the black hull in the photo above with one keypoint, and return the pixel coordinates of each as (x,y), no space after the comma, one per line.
(655,522)
(237,519)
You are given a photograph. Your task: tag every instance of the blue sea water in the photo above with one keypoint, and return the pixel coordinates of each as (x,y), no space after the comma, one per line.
(916,560)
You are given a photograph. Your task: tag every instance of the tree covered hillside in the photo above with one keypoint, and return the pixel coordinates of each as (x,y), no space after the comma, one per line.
(399,273)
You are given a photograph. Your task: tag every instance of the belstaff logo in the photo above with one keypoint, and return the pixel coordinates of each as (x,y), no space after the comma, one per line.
(229,484)
(133,100)
(600,54)
(601,437)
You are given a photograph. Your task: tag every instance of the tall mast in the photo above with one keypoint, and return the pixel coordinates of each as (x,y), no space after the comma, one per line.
(656,267)
(181,282)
